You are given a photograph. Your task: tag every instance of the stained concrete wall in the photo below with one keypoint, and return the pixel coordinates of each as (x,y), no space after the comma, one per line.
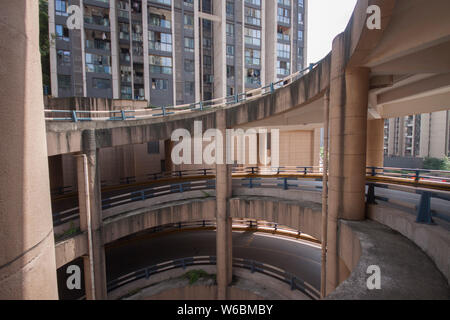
(434,240)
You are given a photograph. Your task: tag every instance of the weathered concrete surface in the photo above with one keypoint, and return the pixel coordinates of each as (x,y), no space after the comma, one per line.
(71,249)
(406,271)
(432,239)
(27,254)
(299,215)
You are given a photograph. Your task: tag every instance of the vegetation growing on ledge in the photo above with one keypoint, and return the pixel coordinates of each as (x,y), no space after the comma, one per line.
(194,275)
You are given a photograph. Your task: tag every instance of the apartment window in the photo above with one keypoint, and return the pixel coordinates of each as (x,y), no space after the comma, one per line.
(61,7)
(62,32)
(160,41)
(253,76)
(300,35)
(153,147)
(101,83)
(166,2)
(189,3)
(64,58)
(159,21)
(207,61)
(252,36)
(230,72)
(98,63)
(126,92)
(283,50)
(253,56)
(300,3)
(254,2)
(207,43)
(188,21)
(253,16)
(300,18)
(160,64)
(283,68)
(230,9)
(97,16)
(285,2)
(64,81)
(189,65)
(230,30)
(160,84)
(230,51)
(189,88)
(125,74)
(284,15)
(97,40)
(230,91)
(189,44)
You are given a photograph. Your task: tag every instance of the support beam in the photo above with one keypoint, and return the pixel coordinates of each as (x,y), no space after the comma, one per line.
(224,235)
(326,115)
(375,143)
(27,256)
(89,200)
(348,127)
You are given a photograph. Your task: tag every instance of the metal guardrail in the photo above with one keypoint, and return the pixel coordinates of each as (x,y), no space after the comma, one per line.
(287,178)
(145,273)
(123,115)
(416,175)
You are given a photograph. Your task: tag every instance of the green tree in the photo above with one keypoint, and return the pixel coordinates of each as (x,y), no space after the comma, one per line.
(44,43)
(436,164)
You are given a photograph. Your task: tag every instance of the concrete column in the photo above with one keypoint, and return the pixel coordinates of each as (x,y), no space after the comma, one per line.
(220,43)
(27,257)
(89,201)
(115,49)
(168,146)
(197,53)
(223,240)
(375,143)
(348,124)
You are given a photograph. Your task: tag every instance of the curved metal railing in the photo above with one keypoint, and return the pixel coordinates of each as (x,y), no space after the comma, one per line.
(138,114)
(145,273)
(287,178)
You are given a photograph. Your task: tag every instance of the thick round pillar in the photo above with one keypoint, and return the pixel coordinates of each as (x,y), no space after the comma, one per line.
(375,143)
(349,90)
(27,257)
(223,233)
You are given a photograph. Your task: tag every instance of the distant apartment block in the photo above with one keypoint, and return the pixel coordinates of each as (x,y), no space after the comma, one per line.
(423,135)
(174,51)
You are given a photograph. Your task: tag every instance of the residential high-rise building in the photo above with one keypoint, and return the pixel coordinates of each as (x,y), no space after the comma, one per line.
(423,135)
(173,51)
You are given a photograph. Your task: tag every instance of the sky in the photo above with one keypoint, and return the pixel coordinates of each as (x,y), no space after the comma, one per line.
(327,18)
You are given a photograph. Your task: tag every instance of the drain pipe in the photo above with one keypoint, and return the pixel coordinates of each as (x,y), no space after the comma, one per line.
(88,222)
(326,115)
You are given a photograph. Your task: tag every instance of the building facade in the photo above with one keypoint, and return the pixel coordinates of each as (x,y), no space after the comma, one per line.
(173,51)
(423,135)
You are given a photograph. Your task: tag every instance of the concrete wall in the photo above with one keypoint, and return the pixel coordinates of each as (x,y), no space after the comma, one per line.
(434,240)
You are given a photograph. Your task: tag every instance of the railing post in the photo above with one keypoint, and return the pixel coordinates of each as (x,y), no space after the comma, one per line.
(74,116)
(252,267)
(424,209)
(371,194)
(373,171)
(286,186)
(272,89)
(123,115)
(292,283)
(163,110)
(147,273)
(201,105)
(250,183)
(417,178)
